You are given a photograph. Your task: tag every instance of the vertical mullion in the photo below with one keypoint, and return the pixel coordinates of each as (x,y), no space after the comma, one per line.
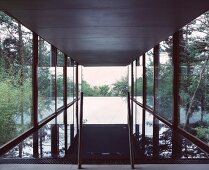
(144,102)
(156,73)
(54,128)
(155,120)
(54,64)
(176,148)
(77,95)
(132,91)
(35,94)
(65,98)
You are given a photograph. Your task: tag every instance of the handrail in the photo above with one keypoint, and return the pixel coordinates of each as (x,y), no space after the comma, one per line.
(9,145)
(80,133)
(162,119)
(130,128)
(181,131)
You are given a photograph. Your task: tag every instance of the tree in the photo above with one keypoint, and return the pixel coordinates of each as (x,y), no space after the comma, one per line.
(194,76)
(86,88)
(120,88)
(104,90)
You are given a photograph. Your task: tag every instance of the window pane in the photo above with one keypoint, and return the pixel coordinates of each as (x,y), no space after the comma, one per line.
(46,75)
(150,78)
(59,75)
(16,78)
(148,135)
(138,83)
(194,89)
(164,80)
(70,80)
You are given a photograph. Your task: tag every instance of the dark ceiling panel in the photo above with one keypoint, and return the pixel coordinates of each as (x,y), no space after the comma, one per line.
(85,4)
(104,32)
(143,17)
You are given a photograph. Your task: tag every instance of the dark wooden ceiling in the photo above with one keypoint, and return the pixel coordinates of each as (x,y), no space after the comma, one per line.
(104,32)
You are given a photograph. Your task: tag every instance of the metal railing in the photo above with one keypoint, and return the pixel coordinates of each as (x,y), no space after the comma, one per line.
(179,130)
(130,128)
(11,144)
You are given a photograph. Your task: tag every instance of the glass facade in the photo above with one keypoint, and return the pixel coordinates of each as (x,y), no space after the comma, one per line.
(194,66)
(149,78)
(46,77)
(16,78)
(155,78)
(60,78)
(164,80)
(17,117)
(181,67)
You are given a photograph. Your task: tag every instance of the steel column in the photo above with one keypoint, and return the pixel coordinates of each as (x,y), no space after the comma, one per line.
(144,101)
(35,94)
(65,100)
(155,87)
(77,91)
(176,148)
(80,133)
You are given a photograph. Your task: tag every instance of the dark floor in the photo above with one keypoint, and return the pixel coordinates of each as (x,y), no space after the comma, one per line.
(106,167)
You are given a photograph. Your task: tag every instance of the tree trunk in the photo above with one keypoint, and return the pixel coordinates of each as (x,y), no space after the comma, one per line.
(189,111)
(21,71)
(202,109)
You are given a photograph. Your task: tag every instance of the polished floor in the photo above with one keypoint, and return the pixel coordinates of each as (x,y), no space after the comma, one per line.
(104,167)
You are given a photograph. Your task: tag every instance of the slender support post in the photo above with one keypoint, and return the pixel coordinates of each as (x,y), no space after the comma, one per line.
(130,127)
(71,133)
(144,102)
(80,133)
(54,64)
(176,148)
(54,140)
(132,88)
(65,100)
(35,94)
(155,87)
(77,91)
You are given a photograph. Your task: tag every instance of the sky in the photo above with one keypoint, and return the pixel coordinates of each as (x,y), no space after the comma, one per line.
(96,76)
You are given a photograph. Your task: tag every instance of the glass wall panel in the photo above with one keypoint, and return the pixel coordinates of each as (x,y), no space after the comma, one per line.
(59,78)
(165,141)
(61,136)
(46,77)
(148,134)
(16,78)
(22,150)
(191,151)
(70,96)
(194,78)
(150,78)
(45,139)
(164,80)
(70,124)
(70,80)
(138,83)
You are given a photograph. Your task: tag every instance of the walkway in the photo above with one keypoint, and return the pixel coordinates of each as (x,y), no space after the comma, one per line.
(105,167)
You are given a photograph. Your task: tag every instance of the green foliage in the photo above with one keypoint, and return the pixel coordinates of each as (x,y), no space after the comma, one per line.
(15,101)
(103,90)
(86,88)
(120,88)
(203,133)
(138,85)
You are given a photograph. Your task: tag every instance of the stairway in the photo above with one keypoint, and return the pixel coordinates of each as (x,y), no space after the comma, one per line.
(103,143)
